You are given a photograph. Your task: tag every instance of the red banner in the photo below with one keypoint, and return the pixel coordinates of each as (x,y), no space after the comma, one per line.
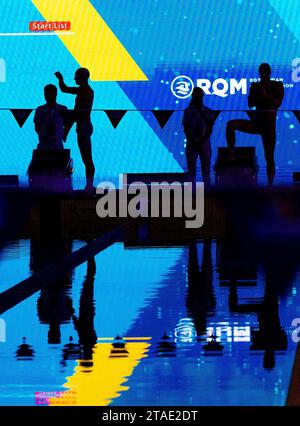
(49,26)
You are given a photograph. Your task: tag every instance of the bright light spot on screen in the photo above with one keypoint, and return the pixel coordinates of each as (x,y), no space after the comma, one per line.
(185,331)
(224,331)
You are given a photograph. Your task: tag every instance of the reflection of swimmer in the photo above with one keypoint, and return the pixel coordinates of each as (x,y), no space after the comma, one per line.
(55,307)
(54,304)
(236,268)
(200,296)
(270,336)
(84,324)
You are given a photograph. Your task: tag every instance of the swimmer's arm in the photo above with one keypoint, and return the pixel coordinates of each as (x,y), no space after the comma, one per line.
(37,121)
(63,87)
(278,96)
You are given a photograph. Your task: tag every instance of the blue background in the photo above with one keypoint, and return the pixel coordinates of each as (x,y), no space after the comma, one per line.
(166,38)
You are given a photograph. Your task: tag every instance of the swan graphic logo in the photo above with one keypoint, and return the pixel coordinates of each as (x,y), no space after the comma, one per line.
(182,87)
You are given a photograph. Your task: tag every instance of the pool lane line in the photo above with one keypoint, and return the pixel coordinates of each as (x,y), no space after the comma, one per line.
(26,288)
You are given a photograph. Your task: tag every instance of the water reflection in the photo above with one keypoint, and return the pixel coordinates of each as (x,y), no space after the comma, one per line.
(185,333)
(165,347)
(270,336)
(215,316)
(118,348)
(113,363)
(54,305)
(84,323)
(200,298)
(71,351)
(213,346)
(238,267)
(24,351)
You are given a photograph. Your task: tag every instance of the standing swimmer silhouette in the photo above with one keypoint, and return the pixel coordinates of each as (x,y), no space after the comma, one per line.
(49,121)
(198,121)
(267,96)
(82,117)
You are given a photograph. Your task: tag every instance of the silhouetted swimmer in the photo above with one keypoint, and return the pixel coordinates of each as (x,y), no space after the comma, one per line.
(266,96)
(198,121)
(49,120)
(82,117)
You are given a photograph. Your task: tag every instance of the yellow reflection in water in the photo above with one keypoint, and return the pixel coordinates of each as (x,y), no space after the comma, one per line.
(98,382)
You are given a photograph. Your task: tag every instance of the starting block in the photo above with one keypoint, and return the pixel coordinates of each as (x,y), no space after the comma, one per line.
(50,169)
(236,167)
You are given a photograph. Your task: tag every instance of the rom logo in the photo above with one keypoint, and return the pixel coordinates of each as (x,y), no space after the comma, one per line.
(221,87)
(2,70)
